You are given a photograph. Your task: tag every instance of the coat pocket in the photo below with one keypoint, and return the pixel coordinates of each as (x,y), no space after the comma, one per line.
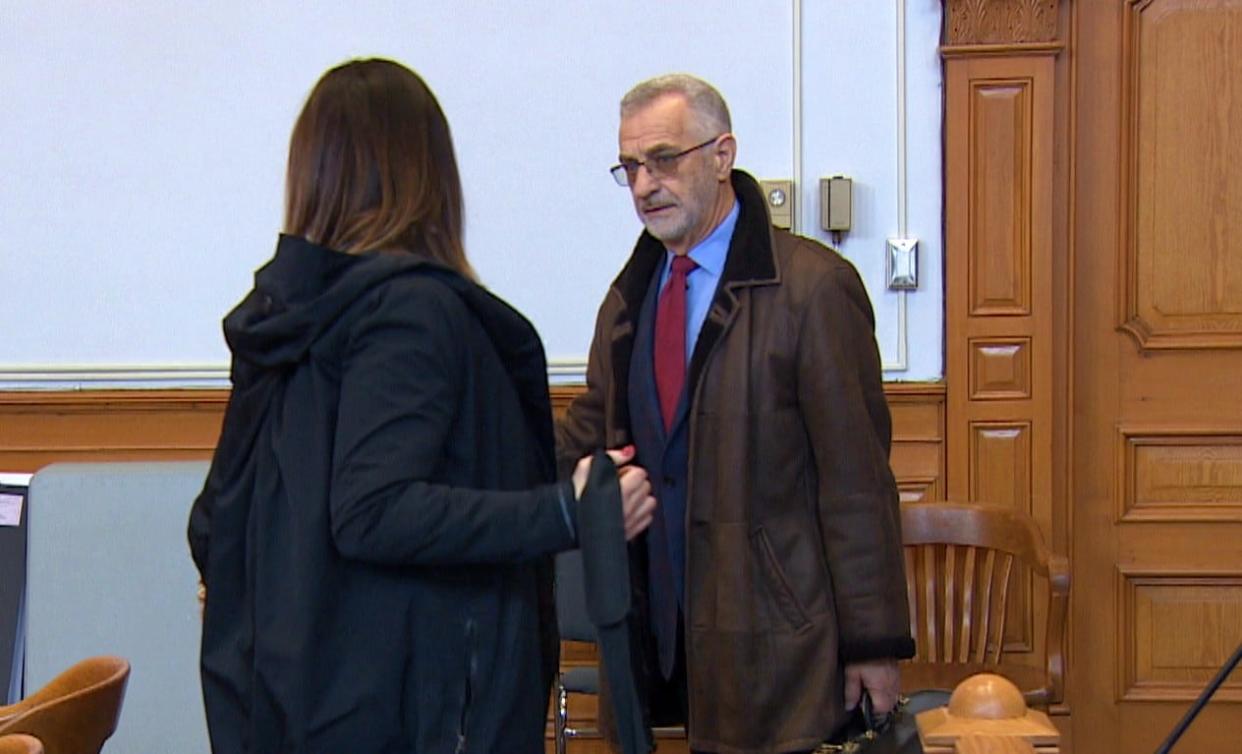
(778,586)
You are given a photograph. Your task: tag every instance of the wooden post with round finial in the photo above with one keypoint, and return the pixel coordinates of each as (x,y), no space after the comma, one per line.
(987,715)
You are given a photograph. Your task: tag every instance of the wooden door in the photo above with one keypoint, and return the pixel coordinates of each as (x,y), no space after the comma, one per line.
(1156,260)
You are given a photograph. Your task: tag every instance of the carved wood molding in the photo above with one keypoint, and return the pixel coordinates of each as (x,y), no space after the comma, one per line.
(999,22)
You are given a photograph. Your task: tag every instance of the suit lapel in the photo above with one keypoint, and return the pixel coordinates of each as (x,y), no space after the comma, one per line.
(644,396)
(631,285)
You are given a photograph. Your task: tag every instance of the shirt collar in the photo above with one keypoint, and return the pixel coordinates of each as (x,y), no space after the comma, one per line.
(710,253)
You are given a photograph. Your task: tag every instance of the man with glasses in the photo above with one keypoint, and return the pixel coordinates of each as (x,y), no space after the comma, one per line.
(740,360)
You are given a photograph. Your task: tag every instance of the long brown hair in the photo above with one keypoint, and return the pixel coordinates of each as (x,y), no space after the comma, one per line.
(371,166)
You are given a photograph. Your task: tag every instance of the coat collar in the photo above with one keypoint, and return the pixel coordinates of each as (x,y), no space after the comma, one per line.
(751,262)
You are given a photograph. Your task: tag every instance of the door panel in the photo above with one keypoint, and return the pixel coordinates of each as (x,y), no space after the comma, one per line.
(1157,354)
(1182,273)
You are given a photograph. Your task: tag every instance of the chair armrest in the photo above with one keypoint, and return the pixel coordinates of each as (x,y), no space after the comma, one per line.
(1059,589)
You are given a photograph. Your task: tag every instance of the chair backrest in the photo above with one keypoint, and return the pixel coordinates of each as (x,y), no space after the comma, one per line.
(110,573)
(76,712)
(571,609)
(960,562)
(20,743)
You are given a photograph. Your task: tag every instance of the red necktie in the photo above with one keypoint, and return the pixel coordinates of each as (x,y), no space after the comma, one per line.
(670,339)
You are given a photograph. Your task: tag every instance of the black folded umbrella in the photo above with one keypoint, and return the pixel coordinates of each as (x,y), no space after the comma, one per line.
(606,571)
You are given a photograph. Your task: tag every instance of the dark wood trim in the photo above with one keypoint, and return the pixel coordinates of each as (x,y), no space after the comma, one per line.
(992,50)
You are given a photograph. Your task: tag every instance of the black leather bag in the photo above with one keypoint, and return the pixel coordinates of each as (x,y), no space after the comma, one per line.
(894,733)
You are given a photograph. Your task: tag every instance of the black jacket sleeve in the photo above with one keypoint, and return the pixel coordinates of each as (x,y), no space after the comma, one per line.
(401,387)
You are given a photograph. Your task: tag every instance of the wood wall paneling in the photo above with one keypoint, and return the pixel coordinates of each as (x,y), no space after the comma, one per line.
(998,152)
(38,428)
(999,298)
(1000,464)
(999,368)
(918,454)
(1000,467)
(998,259)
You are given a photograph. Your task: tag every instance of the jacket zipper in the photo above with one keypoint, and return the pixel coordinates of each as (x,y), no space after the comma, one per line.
(471,663)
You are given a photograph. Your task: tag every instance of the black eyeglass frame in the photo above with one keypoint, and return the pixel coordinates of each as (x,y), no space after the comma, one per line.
(660,165)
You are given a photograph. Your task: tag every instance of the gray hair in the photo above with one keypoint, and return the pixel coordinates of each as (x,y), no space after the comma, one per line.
(708,106)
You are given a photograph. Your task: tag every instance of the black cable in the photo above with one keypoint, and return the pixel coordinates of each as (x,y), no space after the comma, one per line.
(1195,708)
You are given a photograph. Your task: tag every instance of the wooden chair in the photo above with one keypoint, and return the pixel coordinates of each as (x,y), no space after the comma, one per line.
(960,560)
(76,712)
(20,743)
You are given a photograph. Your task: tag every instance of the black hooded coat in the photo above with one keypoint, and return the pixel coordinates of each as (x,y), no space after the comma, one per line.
(376,529)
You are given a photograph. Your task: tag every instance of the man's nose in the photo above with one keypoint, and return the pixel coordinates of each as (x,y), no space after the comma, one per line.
(644,183)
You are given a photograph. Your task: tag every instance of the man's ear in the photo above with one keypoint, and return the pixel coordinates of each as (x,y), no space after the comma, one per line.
(724,154)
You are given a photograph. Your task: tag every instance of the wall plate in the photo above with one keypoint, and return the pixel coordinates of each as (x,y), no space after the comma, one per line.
(780,198)
(901,264)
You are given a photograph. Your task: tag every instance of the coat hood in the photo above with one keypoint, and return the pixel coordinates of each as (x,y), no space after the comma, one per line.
(300,293)
(305,288)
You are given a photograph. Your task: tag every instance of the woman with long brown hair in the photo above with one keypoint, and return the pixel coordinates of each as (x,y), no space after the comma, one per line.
(375,534)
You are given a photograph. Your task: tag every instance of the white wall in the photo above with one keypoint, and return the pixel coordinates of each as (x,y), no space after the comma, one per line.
(142,150)
(853,115)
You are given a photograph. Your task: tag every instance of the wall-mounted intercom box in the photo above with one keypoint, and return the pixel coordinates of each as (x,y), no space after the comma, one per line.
(836,203)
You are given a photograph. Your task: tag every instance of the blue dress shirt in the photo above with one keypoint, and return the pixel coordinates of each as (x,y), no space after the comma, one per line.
(709,254)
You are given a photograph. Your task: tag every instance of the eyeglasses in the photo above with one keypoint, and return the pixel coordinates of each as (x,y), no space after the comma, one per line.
(659,165)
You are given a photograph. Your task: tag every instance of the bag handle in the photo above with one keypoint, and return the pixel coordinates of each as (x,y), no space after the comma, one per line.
(875,726)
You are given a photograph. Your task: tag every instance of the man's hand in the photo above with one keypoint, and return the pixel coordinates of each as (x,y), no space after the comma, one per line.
(637,503)
(880,678)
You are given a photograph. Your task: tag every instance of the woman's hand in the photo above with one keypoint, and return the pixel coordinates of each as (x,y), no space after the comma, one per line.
(637,503)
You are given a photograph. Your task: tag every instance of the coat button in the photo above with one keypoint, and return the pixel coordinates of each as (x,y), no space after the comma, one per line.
(670,481)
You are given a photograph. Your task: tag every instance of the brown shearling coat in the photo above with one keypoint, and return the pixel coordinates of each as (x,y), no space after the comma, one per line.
(794,561)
